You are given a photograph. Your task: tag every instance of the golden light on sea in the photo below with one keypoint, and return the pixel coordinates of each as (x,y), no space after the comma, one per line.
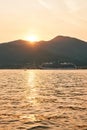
(31,90)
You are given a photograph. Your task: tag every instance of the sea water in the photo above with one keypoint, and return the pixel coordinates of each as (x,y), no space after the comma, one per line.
(43,99)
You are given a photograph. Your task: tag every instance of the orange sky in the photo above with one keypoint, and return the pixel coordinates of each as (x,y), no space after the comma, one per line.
(44,18)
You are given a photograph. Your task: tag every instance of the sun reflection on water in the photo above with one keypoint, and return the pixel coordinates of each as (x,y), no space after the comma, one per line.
(31,78)
(32,90)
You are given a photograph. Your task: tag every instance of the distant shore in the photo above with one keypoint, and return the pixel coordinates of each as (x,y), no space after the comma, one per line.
(45,68)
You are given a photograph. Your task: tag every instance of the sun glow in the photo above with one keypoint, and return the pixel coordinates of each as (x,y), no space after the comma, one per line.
(32,38)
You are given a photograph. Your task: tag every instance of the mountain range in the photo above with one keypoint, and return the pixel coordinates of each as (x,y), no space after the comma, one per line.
(61,49)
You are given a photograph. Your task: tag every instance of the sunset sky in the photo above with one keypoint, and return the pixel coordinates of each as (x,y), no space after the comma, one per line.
(44,18)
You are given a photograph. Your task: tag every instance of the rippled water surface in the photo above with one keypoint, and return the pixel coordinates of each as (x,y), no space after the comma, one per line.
(43,99)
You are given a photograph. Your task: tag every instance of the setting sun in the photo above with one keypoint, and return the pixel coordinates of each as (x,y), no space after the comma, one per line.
(32,38)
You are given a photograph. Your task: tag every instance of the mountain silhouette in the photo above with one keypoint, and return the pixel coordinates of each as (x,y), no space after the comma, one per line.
(21,53)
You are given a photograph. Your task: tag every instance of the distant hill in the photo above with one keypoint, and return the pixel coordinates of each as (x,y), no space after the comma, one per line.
(21,54)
